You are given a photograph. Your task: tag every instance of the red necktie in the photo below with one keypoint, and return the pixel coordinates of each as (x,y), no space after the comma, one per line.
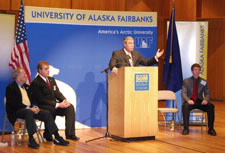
(48,83)
(195,90)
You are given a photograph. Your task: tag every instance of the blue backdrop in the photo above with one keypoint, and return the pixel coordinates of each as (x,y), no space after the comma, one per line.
(81,52)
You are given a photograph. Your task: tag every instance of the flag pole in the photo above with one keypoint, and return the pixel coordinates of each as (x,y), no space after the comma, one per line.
(171,40)
(171,56)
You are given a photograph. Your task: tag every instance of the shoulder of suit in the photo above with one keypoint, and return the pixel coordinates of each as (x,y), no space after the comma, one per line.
(37,80)
(37,77)
(136,52)
(51,78)
(118,51)
(202,79)
(187,79)
(12,84)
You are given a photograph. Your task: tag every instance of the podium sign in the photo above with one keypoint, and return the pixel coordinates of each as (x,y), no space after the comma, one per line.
(133,102)
(141,81)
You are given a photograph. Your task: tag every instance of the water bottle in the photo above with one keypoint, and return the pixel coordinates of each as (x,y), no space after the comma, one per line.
(13,138)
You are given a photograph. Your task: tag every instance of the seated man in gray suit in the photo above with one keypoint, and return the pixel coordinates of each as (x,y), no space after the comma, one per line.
(128,57)
(195,94)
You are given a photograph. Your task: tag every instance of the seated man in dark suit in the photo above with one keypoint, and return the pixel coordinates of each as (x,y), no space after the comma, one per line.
(46,92)
(18,105)
(128,57)
(195,94)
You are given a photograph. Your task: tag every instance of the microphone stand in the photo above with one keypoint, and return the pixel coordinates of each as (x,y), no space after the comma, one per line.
(107,109)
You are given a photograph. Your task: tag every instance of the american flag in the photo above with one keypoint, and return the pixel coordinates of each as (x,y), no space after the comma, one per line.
(20,57)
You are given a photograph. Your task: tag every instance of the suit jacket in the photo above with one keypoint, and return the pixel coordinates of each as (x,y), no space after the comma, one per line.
(43,95)
(14,100)
(120,58)
(187,89)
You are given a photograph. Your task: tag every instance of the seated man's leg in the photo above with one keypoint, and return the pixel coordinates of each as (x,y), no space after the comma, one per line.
(49,108)
(69,113)
(45,115)
(28,116)
(50,126)
(186,109)
(52,110)
(210,109)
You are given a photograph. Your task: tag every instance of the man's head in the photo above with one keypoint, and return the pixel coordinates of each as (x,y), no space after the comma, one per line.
(43,68)
(196,69)
(20,76)
(128,43)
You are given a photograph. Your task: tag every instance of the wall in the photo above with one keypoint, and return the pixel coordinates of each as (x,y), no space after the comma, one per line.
(191,10)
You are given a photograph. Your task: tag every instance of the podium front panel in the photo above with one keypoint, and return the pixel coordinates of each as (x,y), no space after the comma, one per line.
(133,102)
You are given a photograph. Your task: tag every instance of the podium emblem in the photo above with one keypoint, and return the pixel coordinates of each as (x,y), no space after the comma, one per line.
(142,81)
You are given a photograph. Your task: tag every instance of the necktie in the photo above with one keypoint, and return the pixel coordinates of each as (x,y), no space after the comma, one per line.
(130,60)
(25,98)
(195,90)
(48,83)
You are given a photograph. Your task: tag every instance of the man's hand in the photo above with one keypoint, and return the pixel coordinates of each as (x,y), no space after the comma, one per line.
(204,102)
(191,102)
(64,104)
(159,53)
(35,109)
(115,70)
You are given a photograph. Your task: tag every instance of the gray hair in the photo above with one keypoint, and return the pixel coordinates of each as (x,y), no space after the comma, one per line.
(17,72)
(127,38)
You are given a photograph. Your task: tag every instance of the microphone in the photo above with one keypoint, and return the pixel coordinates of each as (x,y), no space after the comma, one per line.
(108,68)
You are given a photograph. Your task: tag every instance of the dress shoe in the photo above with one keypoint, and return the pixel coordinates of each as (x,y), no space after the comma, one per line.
(73,137)
(47,137)
(60,141)
(33,144)
(212,132)
(185,131)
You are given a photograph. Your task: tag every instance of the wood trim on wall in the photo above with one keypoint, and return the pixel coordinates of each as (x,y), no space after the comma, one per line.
(216,56)
(213,9)
(42,3)
(4,4)
(110,5)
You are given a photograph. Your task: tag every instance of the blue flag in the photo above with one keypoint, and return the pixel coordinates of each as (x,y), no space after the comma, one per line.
(173,77)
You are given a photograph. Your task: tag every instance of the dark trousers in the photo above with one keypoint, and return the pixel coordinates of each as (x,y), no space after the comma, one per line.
(69,114)
(209,108)
(29,117)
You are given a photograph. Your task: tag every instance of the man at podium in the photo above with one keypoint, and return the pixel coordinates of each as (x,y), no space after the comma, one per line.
(128,57)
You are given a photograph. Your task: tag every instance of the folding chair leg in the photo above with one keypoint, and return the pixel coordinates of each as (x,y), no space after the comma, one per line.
(202,122)
(39,135)
(172,123)
(179,119)
(164,118)
(4,127)
(23,128)
(38,138)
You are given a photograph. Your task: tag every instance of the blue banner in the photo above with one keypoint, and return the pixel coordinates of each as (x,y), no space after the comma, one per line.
(78,50)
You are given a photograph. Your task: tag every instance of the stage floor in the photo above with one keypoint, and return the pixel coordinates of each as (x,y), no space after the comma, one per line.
(165,142)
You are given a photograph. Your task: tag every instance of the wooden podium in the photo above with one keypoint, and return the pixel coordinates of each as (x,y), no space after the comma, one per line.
(133,103)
